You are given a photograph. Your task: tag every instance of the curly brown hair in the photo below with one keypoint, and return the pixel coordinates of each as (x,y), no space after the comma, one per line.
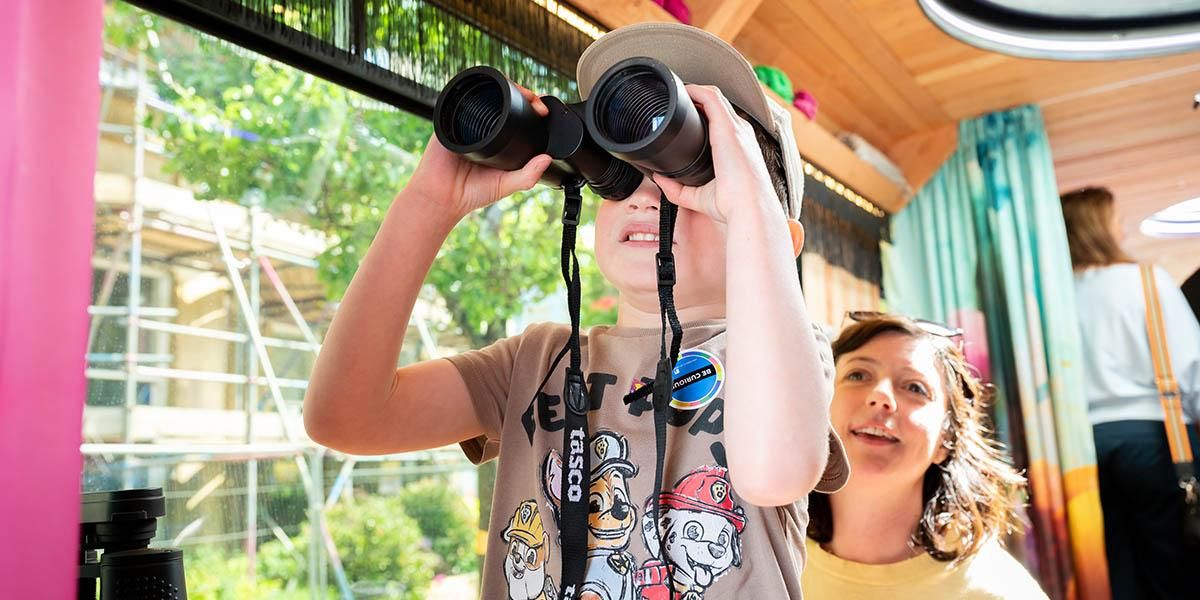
(972,495)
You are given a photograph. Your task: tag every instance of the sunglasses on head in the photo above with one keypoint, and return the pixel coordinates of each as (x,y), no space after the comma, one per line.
(930,327)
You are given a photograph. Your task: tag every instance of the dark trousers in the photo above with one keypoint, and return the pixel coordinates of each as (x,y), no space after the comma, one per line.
(1144,512)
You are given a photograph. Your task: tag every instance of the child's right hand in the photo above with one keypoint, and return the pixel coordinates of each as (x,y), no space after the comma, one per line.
(461,186)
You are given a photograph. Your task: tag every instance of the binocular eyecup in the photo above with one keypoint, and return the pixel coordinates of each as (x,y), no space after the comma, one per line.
(640,112)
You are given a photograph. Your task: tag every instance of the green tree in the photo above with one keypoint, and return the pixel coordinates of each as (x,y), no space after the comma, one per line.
(445,520)
(236,123)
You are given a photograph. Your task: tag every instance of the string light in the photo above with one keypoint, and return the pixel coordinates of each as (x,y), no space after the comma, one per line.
(840,189)
(571,17)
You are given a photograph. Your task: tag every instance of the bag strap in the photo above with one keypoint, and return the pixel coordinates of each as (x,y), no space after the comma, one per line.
(1168,388)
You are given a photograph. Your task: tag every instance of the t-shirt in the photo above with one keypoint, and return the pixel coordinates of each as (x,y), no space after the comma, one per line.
(717,546)
(991,574)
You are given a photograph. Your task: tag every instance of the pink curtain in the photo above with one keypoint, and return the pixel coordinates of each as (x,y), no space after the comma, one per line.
(49,103)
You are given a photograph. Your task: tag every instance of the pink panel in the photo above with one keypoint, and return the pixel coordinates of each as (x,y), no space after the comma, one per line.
(975,339)
(49,101)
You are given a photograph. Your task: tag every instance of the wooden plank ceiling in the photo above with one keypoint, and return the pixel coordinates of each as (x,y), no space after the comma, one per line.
(880,69)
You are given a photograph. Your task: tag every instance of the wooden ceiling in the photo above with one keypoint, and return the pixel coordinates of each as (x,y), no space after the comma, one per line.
(880,69)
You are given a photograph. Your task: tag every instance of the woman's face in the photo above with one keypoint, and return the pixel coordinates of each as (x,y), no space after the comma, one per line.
(889,406)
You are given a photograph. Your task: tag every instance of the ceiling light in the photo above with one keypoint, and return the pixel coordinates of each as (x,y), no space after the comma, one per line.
(1074,30)
(1178,221)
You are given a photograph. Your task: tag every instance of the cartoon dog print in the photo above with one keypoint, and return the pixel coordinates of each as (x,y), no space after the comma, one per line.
(701,527)
(528,550)
(611,515)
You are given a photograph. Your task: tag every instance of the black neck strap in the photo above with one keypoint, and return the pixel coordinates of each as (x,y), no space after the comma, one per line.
(576,458)
(573,523)
(663,379)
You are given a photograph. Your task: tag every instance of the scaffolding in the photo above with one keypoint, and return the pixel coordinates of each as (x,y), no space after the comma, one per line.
(245,262)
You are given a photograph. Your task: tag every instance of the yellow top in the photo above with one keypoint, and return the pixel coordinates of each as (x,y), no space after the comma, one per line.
(992,574)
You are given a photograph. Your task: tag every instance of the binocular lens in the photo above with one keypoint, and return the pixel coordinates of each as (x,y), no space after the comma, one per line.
(636,106)
(477,105)
(640,112)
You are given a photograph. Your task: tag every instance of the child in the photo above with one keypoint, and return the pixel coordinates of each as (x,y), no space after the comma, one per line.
(748,438)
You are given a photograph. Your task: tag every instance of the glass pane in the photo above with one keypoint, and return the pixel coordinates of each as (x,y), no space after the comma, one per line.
(200,142)
(237,196)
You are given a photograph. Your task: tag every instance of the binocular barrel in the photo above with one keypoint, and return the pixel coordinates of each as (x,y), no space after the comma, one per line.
(639,119)
(481,115)
(641,112)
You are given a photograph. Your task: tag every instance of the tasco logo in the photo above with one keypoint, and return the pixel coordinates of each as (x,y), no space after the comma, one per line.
(575,475)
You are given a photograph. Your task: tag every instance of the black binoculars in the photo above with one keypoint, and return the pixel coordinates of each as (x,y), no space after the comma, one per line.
(121,524)
(639,120)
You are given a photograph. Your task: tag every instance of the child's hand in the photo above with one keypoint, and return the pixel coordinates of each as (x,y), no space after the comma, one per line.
(737,162)
(461,186)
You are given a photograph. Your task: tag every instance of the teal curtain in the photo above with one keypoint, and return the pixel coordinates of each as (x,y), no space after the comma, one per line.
(983,246)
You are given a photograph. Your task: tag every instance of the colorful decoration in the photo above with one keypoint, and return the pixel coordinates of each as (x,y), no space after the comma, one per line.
(775,79)
(806,103)
(678,9)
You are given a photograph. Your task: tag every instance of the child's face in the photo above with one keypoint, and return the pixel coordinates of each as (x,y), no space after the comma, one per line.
(627,240)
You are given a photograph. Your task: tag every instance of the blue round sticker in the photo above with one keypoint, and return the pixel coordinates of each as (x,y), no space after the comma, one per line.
(698,377)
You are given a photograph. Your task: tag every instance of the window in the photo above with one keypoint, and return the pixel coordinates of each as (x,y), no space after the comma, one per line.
(230,186)
(241,194)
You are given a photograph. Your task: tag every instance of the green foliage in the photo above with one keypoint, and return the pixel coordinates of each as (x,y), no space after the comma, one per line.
(241,125)
(445,521)
(213,574)
(381,548)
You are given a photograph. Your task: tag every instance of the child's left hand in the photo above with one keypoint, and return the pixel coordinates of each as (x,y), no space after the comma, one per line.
(737,162)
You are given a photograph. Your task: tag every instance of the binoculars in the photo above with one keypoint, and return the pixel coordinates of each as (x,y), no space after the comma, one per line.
(639,120)
(121,524)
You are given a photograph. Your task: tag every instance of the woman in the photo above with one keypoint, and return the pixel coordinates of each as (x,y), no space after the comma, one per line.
(1139,492)
(929,495)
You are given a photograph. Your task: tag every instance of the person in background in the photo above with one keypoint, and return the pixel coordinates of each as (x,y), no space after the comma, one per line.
(1139,492)
(931,494)
(1191,291)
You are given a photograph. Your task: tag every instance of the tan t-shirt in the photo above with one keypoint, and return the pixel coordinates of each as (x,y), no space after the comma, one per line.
(718,546)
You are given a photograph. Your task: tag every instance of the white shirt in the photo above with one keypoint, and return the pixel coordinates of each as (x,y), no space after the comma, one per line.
(1119,374)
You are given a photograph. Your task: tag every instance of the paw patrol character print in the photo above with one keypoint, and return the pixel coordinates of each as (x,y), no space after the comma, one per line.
(701,527)
(652,580)
(611,516)
(528,550)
